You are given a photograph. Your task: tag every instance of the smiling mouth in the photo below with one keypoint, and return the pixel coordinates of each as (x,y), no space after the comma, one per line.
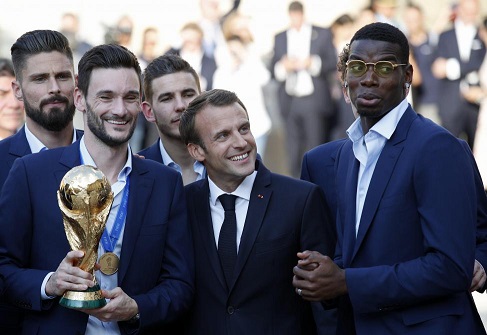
(117,122)
(239,157)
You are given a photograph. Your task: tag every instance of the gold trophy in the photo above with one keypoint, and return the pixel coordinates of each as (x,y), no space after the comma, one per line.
(85,198)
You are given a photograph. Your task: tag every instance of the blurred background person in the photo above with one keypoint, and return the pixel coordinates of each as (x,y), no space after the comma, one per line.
(478,95)
(460,53)
(11,109)
(70,29)
(342,30)
(423,45)
(303,62)
(245,74)
(211,22)
(192,51)
(150,46)
(385,11)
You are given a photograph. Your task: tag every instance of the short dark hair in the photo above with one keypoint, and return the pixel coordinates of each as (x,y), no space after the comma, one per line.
(296,6)
(215,97)
(37,41)
(377,31)
(106,56)
(163,65)
(6,68)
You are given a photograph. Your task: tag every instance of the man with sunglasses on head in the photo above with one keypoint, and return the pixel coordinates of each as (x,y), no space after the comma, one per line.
(406,202)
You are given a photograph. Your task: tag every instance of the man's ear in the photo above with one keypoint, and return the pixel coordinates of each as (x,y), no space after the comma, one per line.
(148,112)
(345,93)
(196,152)
(17,90)
(79,100)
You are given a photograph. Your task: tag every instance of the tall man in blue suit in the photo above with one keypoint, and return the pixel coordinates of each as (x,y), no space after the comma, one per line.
(407,207)
(154,281)
(244,265)
(45,82)
(170,84)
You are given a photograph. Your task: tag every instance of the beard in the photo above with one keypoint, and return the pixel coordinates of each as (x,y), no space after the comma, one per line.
(56,119)
(96,126)
(167,131)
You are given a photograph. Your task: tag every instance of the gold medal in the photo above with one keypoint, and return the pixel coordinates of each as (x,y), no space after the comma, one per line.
(108,263)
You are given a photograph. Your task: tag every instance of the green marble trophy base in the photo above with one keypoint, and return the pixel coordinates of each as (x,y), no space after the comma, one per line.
(89,299)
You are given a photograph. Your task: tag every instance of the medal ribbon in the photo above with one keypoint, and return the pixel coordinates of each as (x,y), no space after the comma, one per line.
(109,241)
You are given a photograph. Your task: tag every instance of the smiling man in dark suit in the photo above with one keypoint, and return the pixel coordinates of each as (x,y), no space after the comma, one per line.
(245,255)
(154,281)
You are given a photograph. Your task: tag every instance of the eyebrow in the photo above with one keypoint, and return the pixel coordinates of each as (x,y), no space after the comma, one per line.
(170,93)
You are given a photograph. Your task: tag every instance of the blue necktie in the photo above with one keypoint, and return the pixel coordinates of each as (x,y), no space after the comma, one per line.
(227,241)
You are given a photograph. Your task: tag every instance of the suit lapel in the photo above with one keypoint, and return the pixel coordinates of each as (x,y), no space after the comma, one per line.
(349,219)
(259,200)
(19,146)
(69,158)
(204,225)
(139,194)
(382,174)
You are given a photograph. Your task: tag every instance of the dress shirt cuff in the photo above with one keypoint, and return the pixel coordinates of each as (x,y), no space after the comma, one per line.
(452,69)
(280,71)
(315,66)
(44,296)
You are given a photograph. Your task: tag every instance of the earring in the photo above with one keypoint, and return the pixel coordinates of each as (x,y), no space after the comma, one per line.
(407,85)
(345,84)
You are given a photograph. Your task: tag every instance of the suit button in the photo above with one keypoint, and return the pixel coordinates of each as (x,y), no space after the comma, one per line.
(230,310)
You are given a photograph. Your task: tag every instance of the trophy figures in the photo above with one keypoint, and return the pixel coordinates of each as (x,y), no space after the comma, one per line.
(85,198)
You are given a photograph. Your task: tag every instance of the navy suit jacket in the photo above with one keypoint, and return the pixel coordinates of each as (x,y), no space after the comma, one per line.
(14,147)
(153,152)
(285,216)
(156,263)
(410,266)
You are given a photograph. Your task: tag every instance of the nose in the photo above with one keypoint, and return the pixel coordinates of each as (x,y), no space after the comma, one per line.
(54,86)
(118,107)
(180,104)
(369,77)
(240,141)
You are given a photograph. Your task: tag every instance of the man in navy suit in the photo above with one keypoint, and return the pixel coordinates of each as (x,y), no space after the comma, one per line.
(276,216)
(154,281)
(459,55)
(170,84)
(304,60)
(45,81)
(406,207)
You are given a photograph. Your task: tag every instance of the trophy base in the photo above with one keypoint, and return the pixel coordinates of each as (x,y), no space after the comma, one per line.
(89,299)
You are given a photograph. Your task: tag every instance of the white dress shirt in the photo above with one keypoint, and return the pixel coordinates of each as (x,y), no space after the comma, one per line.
(198,167)
(35,144)
(241,206)
(367,149)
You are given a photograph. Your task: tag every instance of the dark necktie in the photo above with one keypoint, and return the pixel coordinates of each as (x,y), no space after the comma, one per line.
(227,241)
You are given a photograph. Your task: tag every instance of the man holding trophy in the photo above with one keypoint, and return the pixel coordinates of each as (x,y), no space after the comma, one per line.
(145,255)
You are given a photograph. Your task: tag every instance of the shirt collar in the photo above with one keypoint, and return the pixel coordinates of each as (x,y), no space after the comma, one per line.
(242,191)
(385,127)
(35,144)
(86,159)
(198,167)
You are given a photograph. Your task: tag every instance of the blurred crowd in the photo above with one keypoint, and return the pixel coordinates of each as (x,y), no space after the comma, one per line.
(294,94)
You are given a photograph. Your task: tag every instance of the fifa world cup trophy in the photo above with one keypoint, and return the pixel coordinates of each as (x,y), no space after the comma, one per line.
(85,198)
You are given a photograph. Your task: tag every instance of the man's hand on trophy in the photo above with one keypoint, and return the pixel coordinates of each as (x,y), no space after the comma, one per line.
(120,307)
(68,276)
